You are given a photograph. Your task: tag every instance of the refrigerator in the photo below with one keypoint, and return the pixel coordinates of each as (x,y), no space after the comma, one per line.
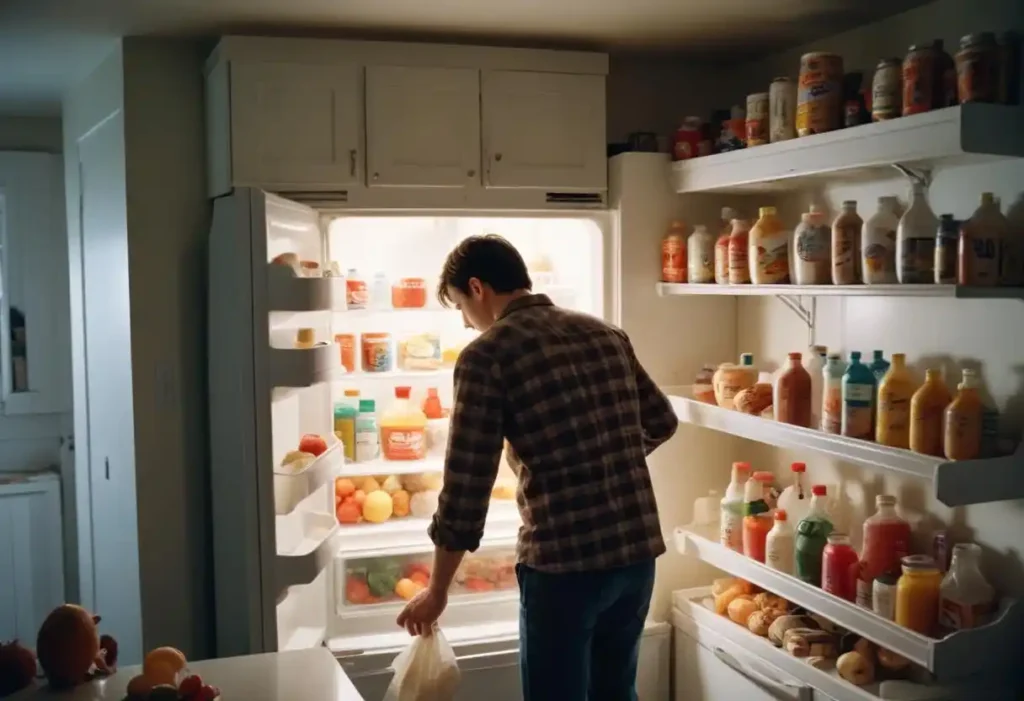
(308,302)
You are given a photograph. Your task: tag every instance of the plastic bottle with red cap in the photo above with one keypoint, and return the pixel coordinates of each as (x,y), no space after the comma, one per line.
(796,498)
(812,536)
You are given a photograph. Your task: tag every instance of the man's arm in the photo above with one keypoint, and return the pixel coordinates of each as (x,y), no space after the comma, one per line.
(657,417)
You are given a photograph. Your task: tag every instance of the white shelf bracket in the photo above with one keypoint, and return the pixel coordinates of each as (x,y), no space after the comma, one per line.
(806,314)
(916,176)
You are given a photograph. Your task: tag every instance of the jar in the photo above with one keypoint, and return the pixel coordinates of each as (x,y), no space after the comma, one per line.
(357,294)
(703,385)
(883,596)
(920,69)
(977,68)
(757,119)
(673,254)
(687,139)
(700,256)
(839,562)
(918,593)
(887,90)
(377,353)
(967,599)
(409,293)
(819,97)
(781,110)
(347,350)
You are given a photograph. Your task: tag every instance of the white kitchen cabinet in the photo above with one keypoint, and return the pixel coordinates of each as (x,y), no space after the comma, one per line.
(285,126)
(423,126)
(544,130)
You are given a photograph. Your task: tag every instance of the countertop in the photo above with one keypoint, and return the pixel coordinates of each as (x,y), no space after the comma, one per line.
(298,675)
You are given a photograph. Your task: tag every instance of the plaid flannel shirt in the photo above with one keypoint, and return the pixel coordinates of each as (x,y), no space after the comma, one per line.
(580,416)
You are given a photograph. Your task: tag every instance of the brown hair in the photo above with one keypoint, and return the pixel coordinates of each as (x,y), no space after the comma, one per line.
(489,258)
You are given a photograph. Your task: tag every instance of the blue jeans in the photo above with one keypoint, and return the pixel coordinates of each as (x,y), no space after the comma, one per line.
(579,633)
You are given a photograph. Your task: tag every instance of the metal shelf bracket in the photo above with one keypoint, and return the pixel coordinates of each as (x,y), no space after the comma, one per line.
(916,176)
(806,314)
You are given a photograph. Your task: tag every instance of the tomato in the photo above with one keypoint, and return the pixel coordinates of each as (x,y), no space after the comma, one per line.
(348,512)
(476,584)
(357,591)
(313,444)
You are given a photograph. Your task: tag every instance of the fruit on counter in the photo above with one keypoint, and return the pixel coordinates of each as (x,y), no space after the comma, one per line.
(17,667)
(423,504)
(139,687)
(312,443)
(297,460)
(378,506)
(400,503)
(68,645)
(190,686)
(164,656)
(855,668)
(780,626)
(163,692)
(427,481)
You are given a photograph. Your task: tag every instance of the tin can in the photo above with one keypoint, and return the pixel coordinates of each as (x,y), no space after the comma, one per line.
(977,68)
(673,254)
(946,242)
(687,139)
(781,110)
(887,90)
(820,97)
(920,78)
(377,352)
(347,349)
(757,119)
(883,596)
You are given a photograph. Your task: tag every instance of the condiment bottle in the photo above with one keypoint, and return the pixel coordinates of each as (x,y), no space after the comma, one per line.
(769,249)
(838,568)
(733,508)
(700,256)
(917,594)
(367,437)
(780,544)
(878,244)
(894,395)
(380,294)
(963,420)
(814,363)
(812,249)
(886,542)
(946,240)
(792,399)
(730,379)
(966,597)
(345,414)
(832,394)
(704,385)
(673,254)
(432,404)
(879,365)
(846,245)
(812,536)
(858,400)
(739,261)
(722,247)
(915,240)
(795,499)
(883,595)
(927,407)
(981,239)
(758,519)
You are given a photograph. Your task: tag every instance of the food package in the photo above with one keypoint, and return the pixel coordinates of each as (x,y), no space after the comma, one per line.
(420,352)
(753,400)
(810,642)
(760,621)
(723,600)
(780,626)
(425,671)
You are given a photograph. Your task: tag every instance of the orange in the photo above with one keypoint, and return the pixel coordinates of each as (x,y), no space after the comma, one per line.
(343,487)
(159,672)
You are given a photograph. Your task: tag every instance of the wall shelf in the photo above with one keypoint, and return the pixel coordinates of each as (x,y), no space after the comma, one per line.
(672,289)
(955,656)
(954,483)
(955,135)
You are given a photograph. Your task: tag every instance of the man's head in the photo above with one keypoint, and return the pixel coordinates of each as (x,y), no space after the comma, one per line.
(482,275)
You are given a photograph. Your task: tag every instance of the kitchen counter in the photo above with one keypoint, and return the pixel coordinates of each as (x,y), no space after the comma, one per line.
(298,675)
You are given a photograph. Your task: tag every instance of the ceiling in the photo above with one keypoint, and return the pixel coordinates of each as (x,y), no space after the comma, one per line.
(47,45)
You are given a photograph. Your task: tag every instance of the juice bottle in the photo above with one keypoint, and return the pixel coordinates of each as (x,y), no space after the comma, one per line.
(966,597)
(812,536)
(878,244)
(731,522)
(981,239)
(793,394)
(779,544)
(673,254)
(846,245)
(879,365)
(918,593)
(812,246)
(367,437)
(432,404)
(886,543)
(739,261)
(858,400)
(345,413)
(915,240)
(795,498)
(758,519)
(894,395)
(814,364)
(403,429)
(962,420)
(700,256)
(832,394)
(927,407)
(722,247)
(838,567)
(769,249)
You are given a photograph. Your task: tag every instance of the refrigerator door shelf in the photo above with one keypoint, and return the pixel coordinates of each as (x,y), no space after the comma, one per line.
(292,367)
(308,489)
(311,555)
(287,292)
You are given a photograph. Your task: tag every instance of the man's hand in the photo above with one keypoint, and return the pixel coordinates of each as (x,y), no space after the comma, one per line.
(422,611)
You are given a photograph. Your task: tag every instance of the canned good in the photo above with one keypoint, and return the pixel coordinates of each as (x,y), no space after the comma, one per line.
(820,96)
(920,74)
(883,596)
(977,68)
(757,119)
(781,110)
(347,349)
(377,352)
(687,139)
(887,90)
(673,254)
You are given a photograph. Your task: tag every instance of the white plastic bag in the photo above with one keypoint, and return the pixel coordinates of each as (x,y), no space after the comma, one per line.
(425,671)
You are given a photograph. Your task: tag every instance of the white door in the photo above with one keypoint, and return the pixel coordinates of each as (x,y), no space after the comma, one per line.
(423,126)
(544,130)
(111,456)
(295,126)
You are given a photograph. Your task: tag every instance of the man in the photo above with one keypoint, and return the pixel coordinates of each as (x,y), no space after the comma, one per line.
(580,416)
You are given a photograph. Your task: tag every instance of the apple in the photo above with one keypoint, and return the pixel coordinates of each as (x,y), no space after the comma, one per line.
(313,444)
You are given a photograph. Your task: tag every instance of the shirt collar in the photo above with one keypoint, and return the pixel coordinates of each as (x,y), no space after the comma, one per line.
(531,300)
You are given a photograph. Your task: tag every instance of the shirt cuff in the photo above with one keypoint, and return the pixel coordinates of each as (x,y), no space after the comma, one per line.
(450,539)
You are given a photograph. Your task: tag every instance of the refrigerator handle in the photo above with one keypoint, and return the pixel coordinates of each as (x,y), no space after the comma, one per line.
(352,162)
(758,676)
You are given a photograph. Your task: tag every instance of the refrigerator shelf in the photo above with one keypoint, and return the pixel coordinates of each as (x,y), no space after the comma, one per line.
(287,292)
(970,133)
(303,367)
(955,656)
(311,555)
(391,467)
(388,311)
(296,494)
(672,289)
(955,483)
(396,375)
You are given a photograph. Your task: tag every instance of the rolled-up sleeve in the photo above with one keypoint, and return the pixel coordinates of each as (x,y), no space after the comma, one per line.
(475,439)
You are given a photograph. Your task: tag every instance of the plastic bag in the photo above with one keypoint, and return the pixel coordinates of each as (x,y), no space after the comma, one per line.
(425,671)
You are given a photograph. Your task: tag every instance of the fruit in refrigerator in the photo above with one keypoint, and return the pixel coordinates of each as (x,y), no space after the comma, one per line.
(391,484)
(400,503)
(407,588)
(423,504)
(348,512)
(357,591)
(421,578)
(421,482)
(378,506)
(478,585)
(314,444)
(723,600)
(891,661)
(855,668)
(359,496)
(414,568)
(344,487)
(368,484)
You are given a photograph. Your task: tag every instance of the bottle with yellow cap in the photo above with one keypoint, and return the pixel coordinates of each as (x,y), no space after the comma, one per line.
(769,249)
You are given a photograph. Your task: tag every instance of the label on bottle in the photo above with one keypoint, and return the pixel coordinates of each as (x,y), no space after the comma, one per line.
(963,434)
(367,446)
(732,525)
(772,260)
(945,260)
(858,416)
(926,429)
(880,254)
(883,599)
(865,594)
(895,413)
(779,554)
(917,261)
(956,615)
(832,409)
(813,244)
(403,443)
(845,270)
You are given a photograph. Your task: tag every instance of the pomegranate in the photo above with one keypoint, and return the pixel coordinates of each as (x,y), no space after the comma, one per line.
(17,667)
(68,646)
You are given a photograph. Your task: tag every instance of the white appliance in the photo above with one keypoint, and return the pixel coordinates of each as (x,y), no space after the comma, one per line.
(288,574)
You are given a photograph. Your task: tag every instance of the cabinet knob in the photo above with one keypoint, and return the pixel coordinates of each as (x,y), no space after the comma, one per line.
(376,176)
(497,156)
(471,173)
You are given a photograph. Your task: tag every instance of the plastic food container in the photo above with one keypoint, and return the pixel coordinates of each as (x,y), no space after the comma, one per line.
(377,352)
(409,293)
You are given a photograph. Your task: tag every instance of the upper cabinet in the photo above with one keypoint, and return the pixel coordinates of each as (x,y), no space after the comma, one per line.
(423,126)
(544,130)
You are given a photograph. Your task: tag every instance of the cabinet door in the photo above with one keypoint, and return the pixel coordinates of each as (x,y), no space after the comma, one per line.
(296,126)
(544,130)
(423,126)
